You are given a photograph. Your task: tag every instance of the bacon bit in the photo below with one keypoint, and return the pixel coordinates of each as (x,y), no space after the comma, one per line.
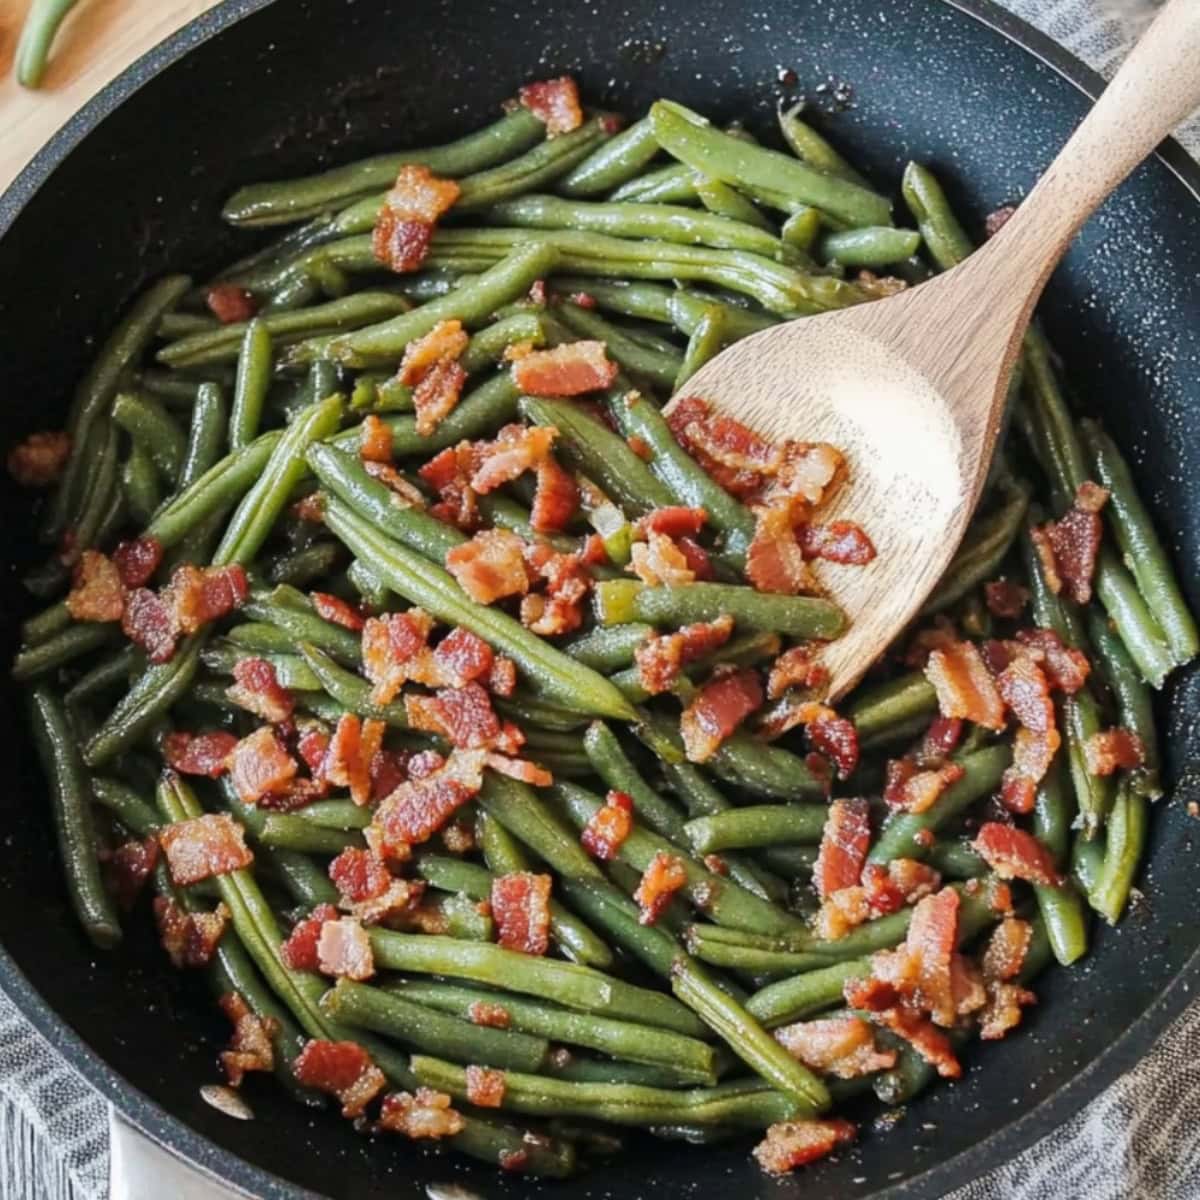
(833,736)
(521,906)
(462,657)
(351,753)
(445,342)
(1014,854)
(736,457)
(843,1047)
(1026,691)
(485,1087)
(939,741)
(838,542)
(337,611)
(97,593)
(914,790)
(1074,541)
(418,808)
(250,1046)
(148,623)
(640,447)
(394,650)
(1032,755)
(1112,750)
(465,717)
(359,875)
(555,102)
(796,667)
(920,969)
(425,764)
(230,303)
(675,521)
(213,844)
(608,827)
(490,566)
(437,395)
(502,678)
(1002,962)
(406,222)
(299,950)
(964,685)
(1005,599)
(374,440)
(312,745)
(775,561)
(310,508)
(257,689)
(569,370)
(920,1033)
(720,706)
(128,867)
(936,637)
(517,350)
(344,950)
(388,772)
(449,474)
(697,558)
(40,459)
(996,221)
(189,938)
(342,1069)
(400,245)
(198,753)
(520,769)
(791,1144)
(1003,1010)
(548,617)
(137,560)
(903,881)
(1065,667)
(809,470)
(494,1016)
(844,844)
(515,450)
(659,561)
(665,875)
(426,1115)
(198,595)
(459,836)
(555,499)
(661,657)
(260,765)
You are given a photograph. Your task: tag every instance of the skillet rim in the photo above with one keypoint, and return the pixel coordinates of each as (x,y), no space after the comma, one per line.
(229,1169)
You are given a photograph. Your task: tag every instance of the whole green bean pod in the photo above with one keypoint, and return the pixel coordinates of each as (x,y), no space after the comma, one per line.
(613,163)
(756,825)
(706,341)
(882,706)
(607,648)
(941,232)
(74,642)
(1124,845)
(286,831)
(154,431)
(253,381)
(810,147)
(806,994)
(140,485)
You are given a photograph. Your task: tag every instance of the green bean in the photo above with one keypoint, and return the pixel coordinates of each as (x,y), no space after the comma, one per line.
(749,958)
(689,1057)
(107,674)
(74,642)
(350,691)
(422,583)
(912,1073)
(613,163)
(305,628)
(206,435)
(37,35)
(299,568)
(528,711)
(907,697)
(296,199)
(425,1028)
(140,485)
(748,1105)
(903,836)
(801,230)
(45,624)
(800,617)
(805,995)
(154,431)
(657,368)
(607,648)
(723,901)
(488,345)
(1087,862)
(344,475)
(71,798)
(290,669)
(943,236)
(718,155)
(178,324)
(473,304)
(674,184)
(706,341)
(723,201)
(95,393)
(262,638)
(285,831)
(565,983)
(613,765)
(756,825)
(336,814)
(1131,615)
(1125,843)
(746,651)
(1143,550)
(1095,793)
(591,1070)
(253,381)
(810,147)
(956,860)
(872,246)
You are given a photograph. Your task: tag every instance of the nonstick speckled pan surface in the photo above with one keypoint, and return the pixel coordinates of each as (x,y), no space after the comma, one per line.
(259,90)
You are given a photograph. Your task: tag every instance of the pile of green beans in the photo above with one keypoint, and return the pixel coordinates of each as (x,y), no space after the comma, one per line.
(666,241)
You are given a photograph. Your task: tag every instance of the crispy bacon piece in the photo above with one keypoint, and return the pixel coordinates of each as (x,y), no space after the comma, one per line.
(502,678)
(374,440)
(903,881)
(791,1144)
(350,755)
(97,593)
(198,753)
(388,771)
(1025,689)
(797,667)
(394,650)
(914,790)
(555,102)
(490,566)
(485,1087)
(230,303)
(427,1114)
(721,439)
(299,950)
(1032,755)
(549,616)
(1065,667)
(520,769)
(665,876)
(674,521)
(939,741)
(555,499)
(344,950)
(189,938)
(419,807)
(568,370)
(937,636)
(463,657)
(403,493)
(257,689)
(400,245)
(920,970)
(515,450)
(920,1033)
(775,562)
(437,394)
(718,709)
(833,736)
(842,542)
(128,867)
(843,1047)
(338,611)
(1005,599)
(40,459)
(312,744)
(495,1016)
(342,1069)
(1074,541)
(137,560)
(608,827)
(659,561)
(148,622)
(640,447)
(449,474)
(521,906)
(809,470)
(465,717)
(1014,854)
(844,844)
(250,1046)
(359,875)
(1002,1011)
(1113,750)
(199,595)
(1002,962)
(661,657)
(406,222)
(964,685)
(212,844)
(260,766)
(445,342)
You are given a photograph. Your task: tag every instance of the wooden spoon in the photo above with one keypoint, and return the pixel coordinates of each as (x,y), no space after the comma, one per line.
(912,389)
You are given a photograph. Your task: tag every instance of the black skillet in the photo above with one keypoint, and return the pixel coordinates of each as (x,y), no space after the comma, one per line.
(131,189)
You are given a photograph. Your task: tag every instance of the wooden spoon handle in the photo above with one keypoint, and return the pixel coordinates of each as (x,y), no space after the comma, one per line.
(1157,86)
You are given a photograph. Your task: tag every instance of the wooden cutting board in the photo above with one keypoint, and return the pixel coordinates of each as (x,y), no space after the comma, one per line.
(95,44)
